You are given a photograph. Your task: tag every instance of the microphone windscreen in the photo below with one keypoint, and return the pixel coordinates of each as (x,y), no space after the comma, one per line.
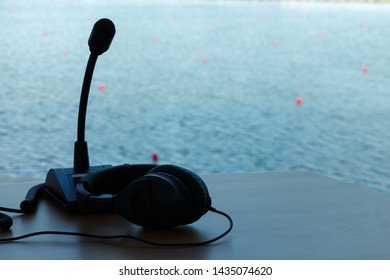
(101,36)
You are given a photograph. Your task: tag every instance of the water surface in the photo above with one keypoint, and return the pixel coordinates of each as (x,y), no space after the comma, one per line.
(235,113)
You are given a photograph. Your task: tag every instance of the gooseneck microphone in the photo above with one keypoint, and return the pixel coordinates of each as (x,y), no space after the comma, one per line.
(99,41)
(61,182)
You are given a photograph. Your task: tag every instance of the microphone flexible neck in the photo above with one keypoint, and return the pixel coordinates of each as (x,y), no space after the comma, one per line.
(84,97)
(81,159)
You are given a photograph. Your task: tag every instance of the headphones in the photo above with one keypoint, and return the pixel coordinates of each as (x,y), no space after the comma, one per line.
(148,195)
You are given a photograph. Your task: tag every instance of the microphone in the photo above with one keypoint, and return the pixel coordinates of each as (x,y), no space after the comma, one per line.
(61,183)
(99,41)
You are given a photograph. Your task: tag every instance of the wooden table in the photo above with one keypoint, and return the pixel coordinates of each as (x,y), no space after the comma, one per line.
(277,215)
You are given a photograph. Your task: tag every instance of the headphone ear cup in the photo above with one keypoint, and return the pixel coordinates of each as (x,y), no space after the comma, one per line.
(5,222)
(155,201)
(185,199)
(197,188)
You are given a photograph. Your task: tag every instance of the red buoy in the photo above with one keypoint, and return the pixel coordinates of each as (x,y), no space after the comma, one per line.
(365,69)
(155,157)
(298,101)
(205,60)
(102,87)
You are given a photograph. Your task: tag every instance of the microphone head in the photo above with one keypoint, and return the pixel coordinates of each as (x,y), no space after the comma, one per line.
(101,36)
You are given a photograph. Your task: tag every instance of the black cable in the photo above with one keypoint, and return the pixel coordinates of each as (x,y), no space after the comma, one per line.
(187,244)
(11,210)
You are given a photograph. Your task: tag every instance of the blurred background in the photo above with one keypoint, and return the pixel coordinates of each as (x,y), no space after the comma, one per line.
(214,86)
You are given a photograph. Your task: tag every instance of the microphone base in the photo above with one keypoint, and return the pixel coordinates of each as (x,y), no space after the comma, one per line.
(61,184)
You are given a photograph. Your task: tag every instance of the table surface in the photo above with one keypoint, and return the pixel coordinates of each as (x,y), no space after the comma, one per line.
(277,215)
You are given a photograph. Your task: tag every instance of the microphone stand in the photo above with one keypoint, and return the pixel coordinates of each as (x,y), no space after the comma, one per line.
(61,183)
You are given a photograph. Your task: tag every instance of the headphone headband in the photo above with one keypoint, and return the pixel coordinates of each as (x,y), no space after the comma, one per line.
(95,192)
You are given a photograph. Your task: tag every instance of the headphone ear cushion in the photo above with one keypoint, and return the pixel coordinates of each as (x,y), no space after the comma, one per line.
(201,200)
